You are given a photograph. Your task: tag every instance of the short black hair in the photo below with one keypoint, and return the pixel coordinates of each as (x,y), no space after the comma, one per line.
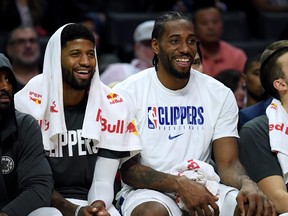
(75,31)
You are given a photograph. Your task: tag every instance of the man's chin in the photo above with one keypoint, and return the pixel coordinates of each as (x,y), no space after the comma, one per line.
(6,108)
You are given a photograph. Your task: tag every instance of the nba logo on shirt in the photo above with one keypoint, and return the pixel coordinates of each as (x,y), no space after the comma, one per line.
(152,117)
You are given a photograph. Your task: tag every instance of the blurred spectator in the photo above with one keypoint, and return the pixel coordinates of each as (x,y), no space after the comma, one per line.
(95,24)
(14,13)
(271,5)
(24,51)
(185,6)
(197,64)
(255,91)
(259,108)
(217,55)
(143,56)
(234,80)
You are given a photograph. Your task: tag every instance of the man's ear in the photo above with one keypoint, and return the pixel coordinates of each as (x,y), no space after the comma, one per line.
(155,46)
(280,84)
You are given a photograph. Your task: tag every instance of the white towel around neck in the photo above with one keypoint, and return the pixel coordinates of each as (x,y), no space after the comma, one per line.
(42,97)
(278,134)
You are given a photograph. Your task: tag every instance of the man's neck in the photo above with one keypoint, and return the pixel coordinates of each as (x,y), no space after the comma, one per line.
(284,102)
(72,97)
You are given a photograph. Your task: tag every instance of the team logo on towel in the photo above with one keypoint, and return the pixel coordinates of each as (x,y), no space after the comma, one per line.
(131,128)
(114,98)
(53,107)
(116,126)
(7,164)
(35,97)
(273,106)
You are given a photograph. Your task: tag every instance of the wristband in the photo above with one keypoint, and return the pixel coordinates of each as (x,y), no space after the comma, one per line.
(77,210)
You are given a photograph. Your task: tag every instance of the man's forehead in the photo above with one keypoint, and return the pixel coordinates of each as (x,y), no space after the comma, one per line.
(283,59)
(5,70)
(178,26)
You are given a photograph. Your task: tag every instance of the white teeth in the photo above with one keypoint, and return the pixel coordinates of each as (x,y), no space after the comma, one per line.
(82,72)
(182,60)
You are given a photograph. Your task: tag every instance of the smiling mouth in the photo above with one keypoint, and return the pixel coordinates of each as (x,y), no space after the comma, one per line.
(5,99)
(185,60)
(84,72)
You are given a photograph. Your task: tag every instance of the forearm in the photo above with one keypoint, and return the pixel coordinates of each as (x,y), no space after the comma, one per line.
(140,176)
(280,200)
(36,194)
(274,187)
(102,187)
(58,201)
(234,175)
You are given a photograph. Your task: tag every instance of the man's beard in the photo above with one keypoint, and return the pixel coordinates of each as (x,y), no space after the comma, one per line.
(6,107)
(70,79)
(171,70)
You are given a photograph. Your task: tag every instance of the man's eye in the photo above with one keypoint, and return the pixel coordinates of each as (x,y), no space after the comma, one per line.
(192,41)
(75,54)
(175,41)
(91,55)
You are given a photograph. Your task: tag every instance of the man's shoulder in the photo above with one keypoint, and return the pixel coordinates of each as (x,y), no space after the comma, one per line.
(258,109)
(138,78)
(23,118)
(260,122)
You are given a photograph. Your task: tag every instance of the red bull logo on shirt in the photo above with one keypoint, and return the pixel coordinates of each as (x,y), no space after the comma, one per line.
(114,98)
(131,128)
(175,116)
(35,97)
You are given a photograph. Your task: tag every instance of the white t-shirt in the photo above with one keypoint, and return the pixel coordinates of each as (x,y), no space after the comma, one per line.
(179,125)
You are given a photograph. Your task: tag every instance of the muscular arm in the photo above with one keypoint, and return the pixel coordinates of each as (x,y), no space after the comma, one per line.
(140,176)
(232,173)
(59,202)
(229,168)
(195,196)
(68,209)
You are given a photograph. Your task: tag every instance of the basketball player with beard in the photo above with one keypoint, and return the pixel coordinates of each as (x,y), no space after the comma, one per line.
(183,114)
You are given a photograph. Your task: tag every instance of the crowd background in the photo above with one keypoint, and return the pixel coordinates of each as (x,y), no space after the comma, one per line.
(248,24)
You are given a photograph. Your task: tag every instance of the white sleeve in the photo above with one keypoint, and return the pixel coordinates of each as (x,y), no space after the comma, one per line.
(102,187)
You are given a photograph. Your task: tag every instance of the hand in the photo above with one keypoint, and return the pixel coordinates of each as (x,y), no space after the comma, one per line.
(252,201)
(197,198)
(95,209)
(3,214)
